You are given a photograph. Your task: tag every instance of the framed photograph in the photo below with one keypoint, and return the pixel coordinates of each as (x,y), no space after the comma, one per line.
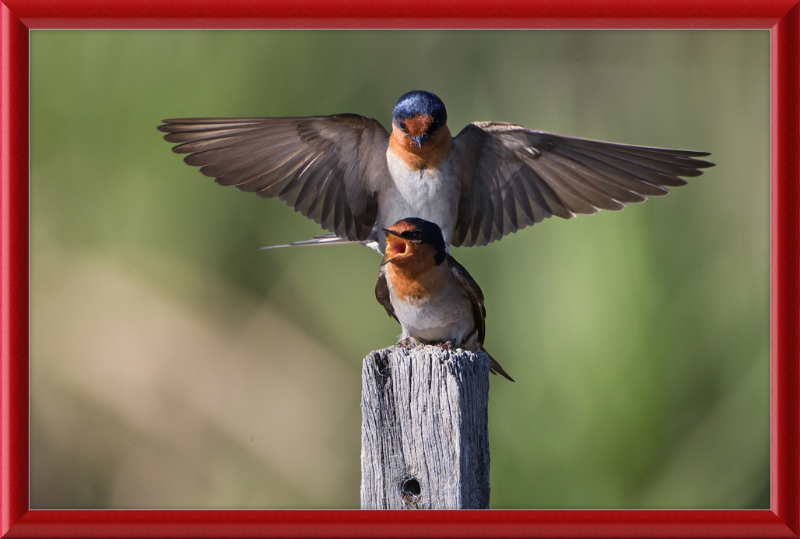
(163,377)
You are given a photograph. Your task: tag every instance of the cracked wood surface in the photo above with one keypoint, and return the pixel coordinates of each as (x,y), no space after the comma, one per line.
(424,429)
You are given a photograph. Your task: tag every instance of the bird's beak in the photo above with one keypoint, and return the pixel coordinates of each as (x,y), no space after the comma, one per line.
(395,246)
(420,140)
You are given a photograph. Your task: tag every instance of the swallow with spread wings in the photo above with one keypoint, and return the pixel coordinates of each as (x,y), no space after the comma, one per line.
(347,173)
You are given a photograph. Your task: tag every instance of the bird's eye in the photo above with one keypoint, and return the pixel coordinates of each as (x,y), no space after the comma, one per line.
(403,126)
(416,235)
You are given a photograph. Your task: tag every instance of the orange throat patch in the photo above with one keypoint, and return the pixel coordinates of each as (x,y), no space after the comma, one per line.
(415,276)
(430,155)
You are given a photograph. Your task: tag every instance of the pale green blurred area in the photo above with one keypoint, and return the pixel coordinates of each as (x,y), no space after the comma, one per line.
(172,366)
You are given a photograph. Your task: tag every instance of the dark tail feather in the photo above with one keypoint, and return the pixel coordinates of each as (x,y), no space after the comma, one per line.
(495,368)
(325,239)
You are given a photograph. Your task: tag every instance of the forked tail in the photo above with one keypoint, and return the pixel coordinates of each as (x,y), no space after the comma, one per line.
(495,368)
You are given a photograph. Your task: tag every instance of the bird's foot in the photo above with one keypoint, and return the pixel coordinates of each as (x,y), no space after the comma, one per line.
(408,343)
(447,345)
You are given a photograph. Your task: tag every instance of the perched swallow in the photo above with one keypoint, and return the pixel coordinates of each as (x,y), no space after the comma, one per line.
(353,178)
(432,296)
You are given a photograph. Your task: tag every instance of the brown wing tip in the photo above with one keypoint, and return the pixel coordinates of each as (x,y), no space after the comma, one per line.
(168,122)
(697,163)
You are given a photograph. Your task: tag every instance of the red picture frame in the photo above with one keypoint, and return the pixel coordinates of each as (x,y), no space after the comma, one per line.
(781,17)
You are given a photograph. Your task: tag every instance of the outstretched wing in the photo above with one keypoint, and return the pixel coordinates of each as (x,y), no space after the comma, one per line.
(322,166)
(382,293)
(515,177)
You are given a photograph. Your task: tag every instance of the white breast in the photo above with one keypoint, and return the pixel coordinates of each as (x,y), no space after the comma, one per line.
(431,194)
(446,316)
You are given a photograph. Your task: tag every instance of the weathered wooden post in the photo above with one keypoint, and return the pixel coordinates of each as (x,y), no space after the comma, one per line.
(424,429)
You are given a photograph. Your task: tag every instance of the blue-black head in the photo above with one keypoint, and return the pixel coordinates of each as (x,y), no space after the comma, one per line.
(405,235)
(419,114)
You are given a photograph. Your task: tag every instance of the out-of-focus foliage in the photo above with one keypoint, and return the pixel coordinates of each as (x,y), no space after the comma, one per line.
(174,366)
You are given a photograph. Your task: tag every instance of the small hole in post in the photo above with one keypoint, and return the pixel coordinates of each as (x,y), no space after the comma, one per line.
(410,489)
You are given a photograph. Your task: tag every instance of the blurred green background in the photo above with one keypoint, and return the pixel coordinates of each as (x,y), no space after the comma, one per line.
(172,366)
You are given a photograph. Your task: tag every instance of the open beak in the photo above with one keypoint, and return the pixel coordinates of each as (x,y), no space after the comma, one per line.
(395,246)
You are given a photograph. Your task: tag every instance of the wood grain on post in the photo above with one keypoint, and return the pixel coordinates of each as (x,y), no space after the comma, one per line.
(424,429)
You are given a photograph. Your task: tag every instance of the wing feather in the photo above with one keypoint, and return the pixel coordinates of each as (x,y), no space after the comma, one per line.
(382,293)
(514,177)
(475,296)
(325,167)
